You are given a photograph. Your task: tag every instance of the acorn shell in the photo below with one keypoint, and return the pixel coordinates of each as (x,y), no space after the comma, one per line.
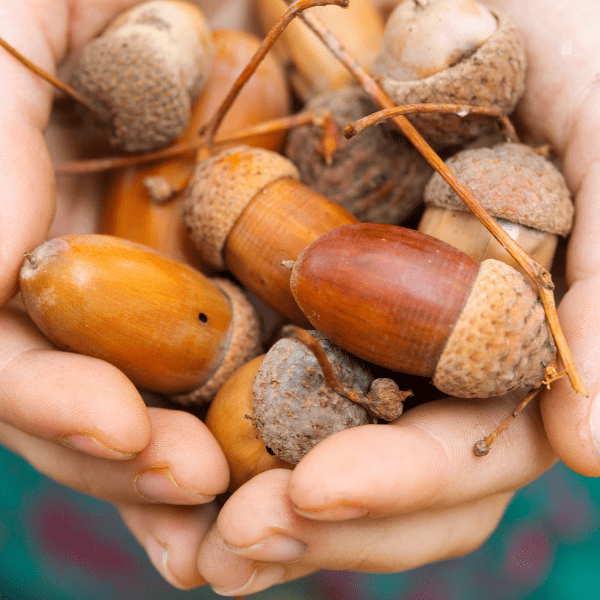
(494,75)
(220,189)
(293,407)
(512,182)
(377,175)
(143,73)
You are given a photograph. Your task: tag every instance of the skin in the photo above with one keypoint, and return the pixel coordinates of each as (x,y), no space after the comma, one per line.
(335,510)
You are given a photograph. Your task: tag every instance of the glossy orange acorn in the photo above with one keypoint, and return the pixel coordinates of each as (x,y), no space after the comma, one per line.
(165,325)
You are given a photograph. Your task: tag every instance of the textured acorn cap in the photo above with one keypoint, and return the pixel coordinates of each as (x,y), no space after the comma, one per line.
(143,73)
(501,340)
(293,407)
(494,75)
(512,182)
(220,189)
(243,345)
(377,175)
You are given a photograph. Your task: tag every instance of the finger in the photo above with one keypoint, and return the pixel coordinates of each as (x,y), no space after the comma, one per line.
(182,464)
(258,525)
(65,397)
(171,536)
(424,459)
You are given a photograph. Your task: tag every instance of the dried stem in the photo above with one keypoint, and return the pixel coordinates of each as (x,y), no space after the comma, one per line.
(116,162)
(482,447)
(292,11)
(47,76)
(540,276)
(462,110)
(385,403)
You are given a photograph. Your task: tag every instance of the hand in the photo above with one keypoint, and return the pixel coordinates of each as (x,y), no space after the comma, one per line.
(77,419)
(394,497)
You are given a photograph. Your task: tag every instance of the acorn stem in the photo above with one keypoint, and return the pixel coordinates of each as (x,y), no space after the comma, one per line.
(482,447)
(291,12)
(47,76)
(534,270)
(386,404)
(116,162)
(31,260)
(462,110)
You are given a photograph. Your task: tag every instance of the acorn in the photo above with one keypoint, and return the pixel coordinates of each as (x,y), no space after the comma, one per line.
(523,190)
(453,52)
(143,73)
(247,212)
(272,411)
(412,303)
(169,328)
(129,211)
(312,68)
(377,176)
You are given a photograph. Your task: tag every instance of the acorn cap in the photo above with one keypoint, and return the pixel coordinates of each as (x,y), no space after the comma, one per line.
(511,181)
(243,345)
(220,189)
(494,75)
(293,407)
(377,176)
(501,340)
(143,73)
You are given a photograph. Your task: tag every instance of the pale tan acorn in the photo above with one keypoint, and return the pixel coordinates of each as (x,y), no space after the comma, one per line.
(312,68)
(143,73)
(483,64)
(523,190)
(169,328)
(378,176)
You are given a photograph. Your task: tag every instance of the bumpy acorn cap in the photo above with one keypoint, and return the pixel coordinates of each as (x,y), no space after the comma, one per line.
(501,340)
(512,182)
(220,189)
(494,75)
(377,175)
(143,73)
(242,346)
(293,407)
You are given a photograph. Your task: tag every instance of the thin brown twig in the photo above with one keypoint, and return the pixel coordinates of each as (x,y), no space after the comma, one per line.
(462,110)
(47,76)
(115,162)
(291,12)
(538,274)
(482,447)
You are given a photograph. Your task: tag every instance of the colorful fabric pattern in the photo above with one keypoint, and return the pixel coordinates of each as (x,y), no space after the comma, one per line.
(57,544)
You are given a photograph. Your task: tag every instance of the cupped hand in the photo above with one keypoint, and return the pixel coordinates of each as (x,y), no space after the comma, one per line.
(393,497)
(78,419)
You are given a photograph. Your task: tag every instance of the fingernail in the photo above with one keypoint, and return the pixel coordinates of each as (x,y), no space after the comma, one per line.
(276,548)
(84,442)
(262,578)
(159,557)
(158,485)
(341,512)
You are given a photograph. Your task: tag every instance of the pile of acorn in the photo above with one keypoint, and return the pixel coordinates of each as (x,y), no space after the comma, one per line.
(306,223)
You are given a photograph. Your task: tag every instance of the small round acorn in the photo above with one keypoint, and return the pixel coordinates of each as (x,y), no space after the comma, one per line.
(518,186)
(377,176)
(484,64)
(170,329)
(247,212)
(272,411)
(412,303)
(143,73)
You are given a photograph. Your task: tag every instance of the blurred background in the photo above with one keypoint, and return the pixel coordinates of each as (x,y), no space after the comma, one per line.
(57,544)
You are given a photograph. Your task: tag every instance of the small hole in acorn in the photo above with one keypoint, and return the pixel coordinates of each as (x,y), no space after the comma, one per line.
(203,318)
(269,451)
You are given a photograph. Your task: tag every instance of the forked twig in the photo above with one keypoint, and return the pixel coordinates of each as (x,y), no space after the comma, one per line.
(539,275)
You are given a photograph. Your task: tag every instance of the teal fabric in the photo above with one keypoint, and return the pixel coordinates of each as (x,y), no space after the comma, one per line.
(57,544)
